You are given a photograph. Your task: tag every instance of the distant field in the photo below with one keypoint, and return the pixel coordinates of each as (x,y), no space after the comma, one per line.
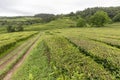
(17,19)
(65,23)
(74,54)
(57,24)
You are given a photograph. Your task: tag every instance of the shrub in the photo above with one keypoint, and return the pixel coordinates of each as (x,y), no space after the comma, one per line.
(10,28)
(99,19)
(18,28)
(81,22)
(15,28)
(117,18)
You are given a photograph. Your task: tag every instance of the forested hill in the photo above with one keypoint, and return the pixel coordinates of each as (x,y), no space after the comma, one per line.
(112,11)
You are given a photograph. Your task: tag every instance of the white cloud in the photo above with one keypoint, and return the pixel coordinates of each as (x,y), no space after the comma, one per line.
(30,7)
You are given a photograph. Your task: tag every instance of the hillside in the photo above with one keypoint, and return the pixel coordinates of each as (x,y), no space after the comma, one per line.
(74,54)
(55,24)
(59,49)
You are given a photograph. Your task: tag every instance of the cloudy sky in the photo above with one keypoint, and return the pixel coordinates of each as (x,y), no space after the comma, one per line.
(30,7)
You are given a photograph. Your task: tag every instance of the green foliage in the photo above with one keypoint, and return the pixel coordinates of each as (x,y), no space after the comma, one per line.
(101,53)
(10,39)
(14,56)
(36,66)
(60,23)
(68,63)
(15,24)
(99,19)
(2,30)
(46,17)
(111,11)
(14,28)
(78,57)
(81,22)
(117,18)
(10,29)
(19,28)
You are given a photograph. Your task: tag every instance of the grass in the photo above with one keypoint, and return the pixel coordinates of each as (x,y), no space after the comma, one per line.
(13,19)
(62,61)
(65,23)
(9,40)
(65,52)
(68,63)
(36,65)
(109,41)
(73,54)
(114,25)
(2,30)
(16,54)
(107,55)
(101,51)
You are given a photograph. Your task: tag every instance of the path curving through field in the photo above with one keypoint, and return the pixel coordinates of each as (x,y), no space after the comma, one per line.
(29,46)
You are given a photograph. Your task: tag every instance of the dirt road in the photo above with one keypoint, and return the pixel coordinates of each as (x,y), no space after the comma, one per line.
(17,56)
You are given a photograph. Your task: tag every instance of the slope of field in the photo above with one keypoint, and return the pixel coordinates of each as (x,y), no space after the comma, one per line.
(7,62)
(21,56)
(35,64)
(64,61)
(12,19)
(9,40)
(57,24)
(74,54)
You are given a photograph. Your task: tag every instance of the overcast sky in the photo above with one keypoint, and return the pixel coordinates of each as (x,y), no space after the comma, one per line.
(30,7)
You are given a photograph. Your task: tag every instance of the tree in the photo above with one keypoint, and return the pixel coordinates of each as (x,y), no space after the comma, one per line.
(18,28)
(111,11)
(46,17)
(81,22)
(99,19)
(117,18)
(10,28)
(15,28)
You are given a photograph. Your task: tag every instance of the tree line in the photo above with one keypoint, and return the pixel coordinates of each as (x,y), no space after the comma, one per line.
(97,16)
(15,24)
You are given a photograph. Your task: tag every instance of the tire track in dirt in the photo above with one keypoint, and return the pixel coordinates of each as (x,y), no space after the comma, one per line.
(12,53)
(20,61)
(11,58)
(4,63)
